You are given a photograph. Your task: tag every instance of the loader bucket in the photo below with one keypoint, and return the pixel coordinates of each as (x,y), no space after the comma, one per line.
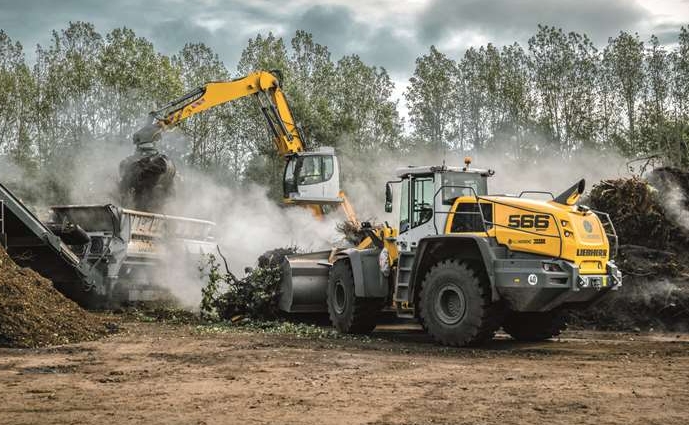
(304,283)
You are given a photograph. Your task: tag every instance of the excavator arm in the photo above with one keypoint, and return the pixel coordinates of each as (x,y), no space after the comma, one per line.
(265,85)
(311,179)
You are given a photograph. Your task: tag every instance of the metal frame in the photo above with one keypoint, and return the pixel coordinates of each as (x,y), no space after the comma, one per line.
(610,231)
(539,192)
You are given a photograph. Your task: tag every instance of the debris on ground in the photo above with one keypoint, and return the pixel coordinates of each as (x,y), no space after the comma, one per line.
(279,327)
(256,295)
(650,217)
(164,314)
(33,313)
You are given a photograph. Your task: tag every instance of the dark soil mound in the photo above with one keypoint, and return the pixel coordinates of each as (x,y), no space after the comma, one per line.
(650,217)
(33,313)
(654,294)
(647,212)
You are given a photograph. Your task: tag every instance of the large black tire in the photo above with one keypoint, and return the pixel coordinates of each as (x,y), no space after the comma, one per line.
(455,305)
(528,326)
(349,313)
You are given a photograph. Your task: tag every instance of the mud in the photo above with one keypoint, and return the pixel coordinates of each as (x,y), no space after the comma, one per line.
(164,374)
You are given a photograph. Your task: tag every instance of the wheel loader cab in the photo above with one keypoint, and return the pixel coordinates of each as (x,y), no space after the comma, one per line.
(427,195)
(313,178)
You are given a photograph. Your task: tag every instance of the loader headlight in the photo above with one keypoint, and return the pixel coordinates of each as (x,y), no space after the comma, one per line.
(551,267)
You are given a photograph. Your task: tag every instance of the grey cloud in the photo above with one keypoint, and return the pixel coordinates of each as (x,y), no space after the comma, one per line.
(168,25)
(170,35)
(343,28)
(508,20)
(667,33)
(333,26)
(337,28)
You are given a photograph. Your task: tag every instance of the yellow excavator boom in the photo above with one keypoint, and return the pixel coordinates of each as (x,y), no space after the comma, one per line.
(263,84)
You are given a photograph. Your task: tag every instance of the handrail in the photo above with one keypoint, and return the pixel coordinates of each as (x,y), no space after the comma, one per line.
(541,192)
(613,233)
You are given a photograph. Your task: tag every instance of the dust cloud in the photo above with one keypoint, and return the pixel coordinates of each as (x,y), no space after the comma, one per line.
(674,201)
(364,181)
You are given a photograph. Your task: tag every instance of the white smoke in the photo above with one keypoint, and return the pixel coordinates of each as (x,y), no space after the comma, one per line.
(674,200)
(365,182)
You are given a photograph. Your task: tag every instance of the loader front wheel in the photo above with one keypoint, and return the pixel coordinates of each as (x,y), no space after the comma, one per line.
(455,305)
(349,313)
(536,326)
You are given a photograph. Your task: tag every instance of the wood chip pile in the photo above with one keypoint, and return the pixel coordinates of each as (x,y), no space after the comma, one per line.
(33,313)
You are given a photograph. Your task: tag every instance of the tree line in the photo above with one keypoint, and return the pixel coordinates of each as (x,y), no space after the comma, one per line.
(559,94)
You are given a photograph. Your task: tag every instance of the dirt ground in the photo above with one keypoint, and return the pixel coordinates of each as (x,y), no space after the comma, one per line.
(164,374)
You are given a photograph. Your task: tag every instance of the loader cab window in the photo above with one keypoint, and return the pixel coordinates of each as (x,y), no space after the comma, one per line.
(422,196)
(457,184)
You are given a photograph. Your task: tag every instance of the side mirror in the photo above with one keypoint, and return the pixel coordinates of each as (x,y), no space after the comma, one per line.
(388,198)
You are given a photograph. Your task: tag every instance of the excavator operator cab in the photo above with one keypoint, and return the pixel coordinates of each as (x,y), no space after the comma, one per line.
(313,178)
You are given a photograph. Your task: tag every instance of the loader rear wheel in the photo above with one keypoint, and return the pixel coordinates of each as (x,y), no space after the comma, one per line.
(349,313)
(455,305)
(538,326)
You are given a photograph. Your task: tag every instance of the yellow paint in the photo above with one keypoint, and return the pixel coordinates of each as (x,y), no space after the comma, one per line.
(548,241)
(262,84)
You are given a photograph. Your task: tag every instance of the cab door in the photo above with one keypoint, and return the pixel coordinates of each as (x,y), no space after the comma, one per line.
(416,211)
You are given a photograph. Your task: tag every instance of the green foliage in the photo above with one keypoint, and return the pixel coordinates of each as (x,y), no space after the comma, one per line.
(279,327)
(255,296)
(562,95)
(89,92)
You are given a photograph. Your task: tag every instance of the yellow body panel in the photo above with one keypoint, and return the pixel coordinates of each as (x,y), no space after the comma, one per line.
(545,228)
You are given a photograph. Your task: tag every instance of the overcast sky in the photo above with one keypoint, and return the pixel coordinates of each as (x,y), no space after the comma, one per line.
(388,33)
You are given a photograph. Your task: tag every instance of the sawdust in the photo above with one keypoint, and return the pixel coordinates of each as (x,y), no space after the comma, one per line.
(33,313)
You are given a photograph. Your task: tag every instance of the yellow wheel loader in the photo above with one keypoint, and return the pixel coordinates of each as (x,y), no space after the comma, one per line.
(463,262)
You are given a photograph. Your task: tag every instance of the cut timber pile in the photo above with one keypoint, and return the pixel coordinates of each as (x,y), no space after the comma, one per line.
(33,313)
(651,219)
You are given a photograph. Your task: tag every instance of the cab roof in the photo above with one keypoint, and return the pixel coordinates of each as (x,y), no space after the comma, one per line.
(413,170)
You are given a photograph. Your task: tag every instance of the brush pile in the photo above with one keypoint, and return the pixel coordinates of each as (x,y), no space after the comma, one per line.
(254,296)
(33,313)
(651,217)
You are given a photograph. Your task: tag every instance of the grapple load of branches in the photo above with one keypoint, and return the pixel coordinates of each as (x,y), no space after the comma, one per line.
(255,296)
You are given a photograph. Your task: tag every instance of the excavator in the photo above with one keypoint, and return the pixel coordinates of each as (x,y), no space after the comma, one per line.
(106,255)
(311,178)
